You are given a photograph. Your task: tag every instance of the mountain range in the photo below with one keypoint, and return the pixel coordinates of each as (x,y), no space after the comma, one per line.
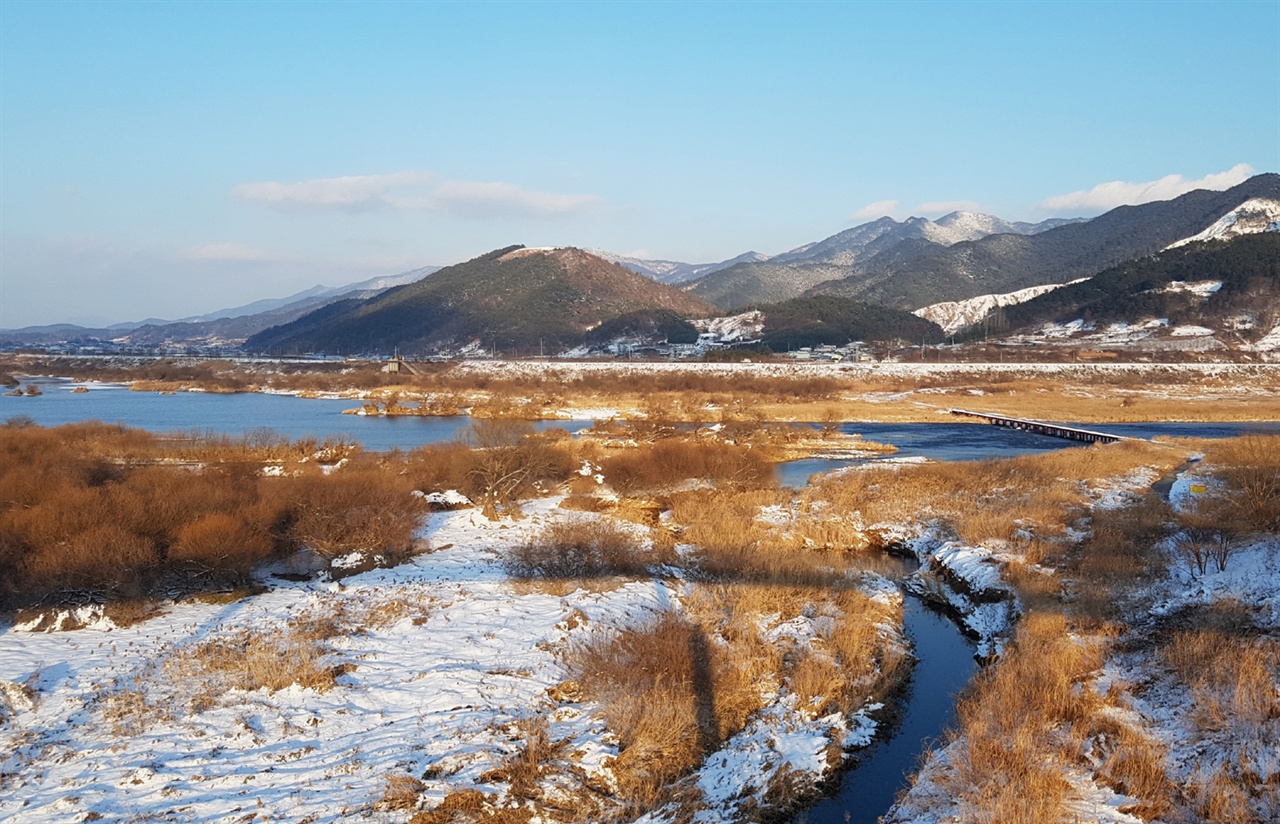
(225,327)
(917,263)
(954,272)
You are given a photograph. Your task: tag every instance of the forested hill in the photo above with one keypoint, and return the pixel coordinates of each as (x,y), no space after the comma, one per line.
(1248,268)
(834,320)
(516,300)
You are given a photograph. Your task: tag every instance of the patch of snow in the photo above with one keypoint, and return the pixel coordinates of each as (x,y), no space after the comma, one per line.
(450,498)
(1255,215)
(955,315)
(1203,288)
(353,559)
(733,328)
(1269,342)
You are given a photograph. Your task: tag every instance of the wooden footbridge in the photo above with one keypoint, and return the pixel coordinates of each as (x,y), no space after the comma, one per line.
(1056,430)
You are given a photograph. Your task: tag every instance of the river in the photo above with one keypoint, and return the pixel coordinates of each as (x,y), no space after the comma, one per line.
(295,418)
(944,656)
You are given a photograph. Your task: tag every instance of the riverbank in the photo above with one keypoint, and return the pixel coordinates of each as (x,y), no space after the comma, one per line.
(712,392)
(1142,681)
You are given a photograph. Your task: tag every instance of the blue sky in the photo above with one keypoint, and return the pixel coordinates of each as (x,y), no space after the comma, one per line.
(168,159)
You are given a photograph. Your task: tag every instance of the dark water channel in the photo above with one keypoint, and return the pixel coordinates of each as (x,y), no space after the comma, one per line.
(944,665)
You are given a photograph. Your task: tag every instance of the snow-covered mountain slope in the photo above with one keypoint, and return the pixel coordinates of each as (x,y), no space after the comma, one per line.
(1258,214)
(847,247)
(673,271)
(863,241)
(954,315)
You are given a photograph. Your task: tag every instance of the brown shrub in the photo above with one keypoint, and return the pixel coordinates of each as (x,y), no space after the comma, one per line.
(220,542)
(104,556)
(363,507)
(1250,467)
(510,461)
(580,548)
(670,462)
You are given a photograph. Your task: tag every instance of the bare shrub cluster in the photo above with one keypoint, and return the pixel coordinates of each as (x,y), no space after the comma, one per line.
(580,547)
(1249,466)
(670,462)
(92,512)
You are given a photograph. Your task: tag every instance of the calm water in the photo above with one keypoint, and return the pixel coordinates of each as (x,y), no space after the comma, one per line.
(235,414)
(307,417)
(944,665)
(976,441)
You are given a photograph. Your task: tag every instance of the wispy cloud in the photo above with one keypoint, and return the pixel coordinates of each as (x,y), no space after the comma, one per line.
(414,191)
(231,252)
(352,193)
(873,210)
(484,200)
(1122,193)
(944,207)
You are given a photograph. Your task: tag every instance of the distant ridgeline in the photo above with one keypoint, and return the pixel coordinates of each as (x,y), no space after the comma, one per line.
(527,301)
(908,266)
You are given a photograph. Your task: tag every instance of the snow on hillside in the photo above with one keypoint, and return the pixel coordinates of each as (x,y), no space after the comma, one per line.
(1255,215)
(1203,288)
(956,227)
(954,315)
(733,328)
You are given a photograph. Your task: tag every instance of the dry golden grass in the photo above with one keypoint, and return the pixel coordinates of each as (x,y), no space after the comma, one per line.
(462,806)
(1232,678)
(1135,765)
(653,683)
(670,462)
(129,711)
(1015,724)
(536,756)
(401,792)
(297,653)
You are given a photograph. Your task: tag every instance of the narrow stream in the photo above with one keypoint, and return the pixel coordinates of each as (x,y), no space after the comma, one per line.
(944,665)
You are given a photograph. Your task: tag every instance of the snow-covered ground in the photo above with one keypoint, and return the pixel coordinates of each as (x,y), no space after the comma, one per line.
(440,662)
(445,659)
